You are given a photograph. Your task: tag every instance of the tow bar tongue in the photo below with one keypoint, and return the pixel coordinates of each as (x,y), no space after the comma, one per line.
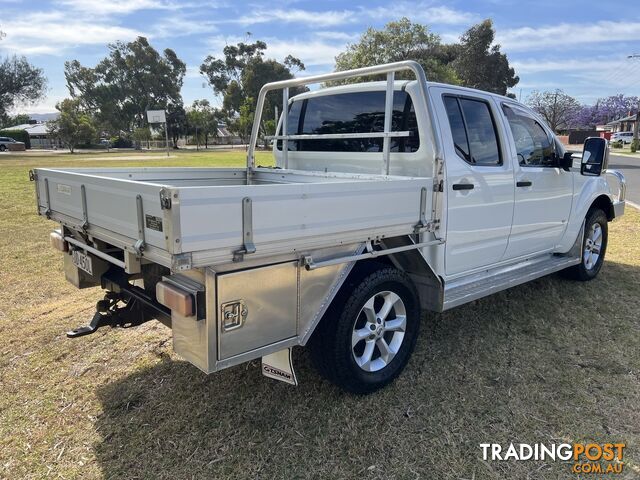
(279,366)
(124,305)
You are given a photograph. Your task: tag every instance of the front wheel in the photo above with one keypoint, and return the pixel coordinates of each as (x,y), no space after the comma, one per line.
(367,336)
(594,247)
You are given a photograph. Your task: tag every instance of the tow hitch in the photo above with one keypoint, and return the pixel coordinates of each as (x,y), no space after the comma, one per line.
(124,305)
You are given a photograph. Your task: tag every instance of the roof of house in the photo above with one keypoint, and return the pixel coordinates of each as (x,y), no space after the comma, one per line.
(31,128)
(223,131)
(630,118)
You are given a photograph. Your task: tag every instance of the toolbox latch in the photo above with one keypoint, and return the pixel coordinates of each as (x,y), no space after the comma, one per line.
(233,314)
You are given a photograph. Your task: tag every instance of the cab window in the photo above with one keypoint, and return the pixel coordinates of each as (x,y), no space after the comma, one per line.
(473,130)
(533,145)
(356,112)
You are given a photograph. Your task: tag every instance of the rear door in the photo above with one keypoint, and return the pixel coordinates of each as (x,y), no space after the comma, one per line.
(479,185)
(544,192)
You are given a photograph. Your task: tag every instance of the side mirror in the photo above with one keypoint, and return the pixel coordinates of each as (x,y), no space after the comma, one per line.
(566,162)
(595,156)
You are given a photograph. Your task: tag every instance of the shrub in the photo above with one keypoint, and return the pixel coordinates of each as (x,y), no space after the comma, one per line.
(635,145)
(121,142)
(17,135)
(617,144)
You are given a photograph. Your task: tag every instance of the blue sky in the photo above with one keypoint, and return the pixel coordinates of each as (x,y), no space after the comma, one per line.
(580,47)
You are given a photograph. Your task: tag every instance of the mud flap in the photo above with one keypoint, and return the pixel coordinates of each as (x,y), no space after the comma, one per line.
(279,366)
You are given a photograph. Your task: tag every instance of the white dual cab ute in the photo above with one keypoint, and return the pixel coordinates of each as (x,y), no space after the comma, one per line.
(389,199)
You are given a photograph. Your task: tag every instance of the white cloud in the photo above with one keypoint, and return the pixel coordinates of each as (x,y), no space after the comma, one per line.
(115,7)
(312,52)
(421,12)
(178,26)
(585,79)
(52,32)
(320,19)
(568,65)
(565,34)
(417,12)
(336,36)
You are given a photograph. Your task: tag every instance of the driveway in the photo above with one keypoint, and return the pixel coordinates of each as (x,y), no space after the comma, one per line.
(630,167)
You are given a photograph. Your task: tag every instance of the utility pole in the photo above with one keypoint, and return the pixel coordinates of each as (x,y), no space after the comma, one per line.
(637,123)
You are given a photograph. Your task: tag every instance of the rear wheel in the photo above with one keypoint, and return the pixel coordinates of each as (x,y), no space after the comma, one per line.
(2,148)
(367,336)
(594,247)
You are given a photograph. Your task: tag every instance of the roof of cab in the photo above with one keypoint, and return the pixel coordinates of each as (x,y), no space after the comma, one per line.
(382,85)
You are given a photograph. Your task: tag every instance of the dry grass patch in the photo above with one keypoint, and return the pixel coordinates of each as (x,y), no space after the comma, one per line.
(549,361)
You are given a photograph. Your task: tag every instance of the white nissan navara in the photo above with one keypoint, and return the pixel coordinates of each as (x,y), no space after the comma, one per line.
(387,199)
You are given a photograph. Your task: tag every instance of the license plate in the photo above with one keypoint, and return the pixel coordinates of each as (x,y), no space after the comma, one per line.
(82,261)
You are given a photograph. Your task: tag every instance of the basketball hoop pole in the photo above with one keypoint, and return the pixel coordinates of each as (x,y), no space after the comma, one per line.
(166,136)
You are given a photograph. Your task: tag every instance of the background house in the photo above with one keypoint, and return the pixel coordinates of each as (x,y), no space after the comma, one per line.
(38,134)
(625,124)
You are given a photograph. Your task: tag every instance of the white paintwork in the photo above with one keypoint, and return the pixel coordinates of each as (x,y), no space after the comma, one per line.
(329,205)
(541,211)
(326,199)
(478,220)
(491,225)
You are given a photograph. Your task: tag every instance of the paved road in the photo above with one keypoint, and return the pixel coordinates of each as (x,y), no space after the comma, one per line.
(630,167)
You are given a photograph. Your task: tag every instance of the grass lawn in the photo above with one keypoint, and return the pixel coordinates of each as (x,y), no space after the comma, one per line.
(551,361)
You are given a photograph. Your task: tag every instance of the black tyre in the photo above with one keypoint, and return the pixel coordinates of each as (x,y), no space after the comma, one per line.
(368,334)
(2,148)
(594,247)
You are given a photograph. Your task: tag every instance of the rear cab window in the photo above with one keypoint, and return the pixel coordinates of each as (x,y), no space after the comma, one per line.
(353,112)
(473,130)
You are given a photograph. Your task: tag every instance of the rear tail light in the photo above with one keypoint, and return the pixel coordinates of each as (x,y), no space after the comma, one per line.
(175,299)
(57,241)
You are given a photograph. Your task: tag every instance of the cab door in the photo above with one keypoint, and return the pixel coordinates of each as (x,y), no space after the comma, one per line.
(544,192)
(479,181)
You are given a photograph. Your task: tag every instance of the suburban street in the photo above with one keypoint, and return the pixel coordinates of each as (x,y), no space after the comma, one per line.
(630,167)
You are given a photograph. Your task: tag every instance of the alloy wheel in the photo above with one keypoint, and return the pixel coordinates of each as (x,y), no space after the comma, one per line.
(379,331)
(592,246)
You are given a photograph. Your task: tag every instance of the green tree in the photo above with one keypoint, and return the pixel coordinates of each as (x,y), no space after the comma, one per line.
(473,62)
(20,82)
(557,108)
(397,41)
(13,120)
(132,79)
(203,117)
(176,123)
(239,76)
(479,63)
(241,124)
(73,126)
(141,135)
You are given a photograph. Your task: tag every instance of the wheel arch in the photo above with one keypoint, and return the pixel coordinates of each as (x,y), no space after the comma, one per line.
(604,203)
(428,285)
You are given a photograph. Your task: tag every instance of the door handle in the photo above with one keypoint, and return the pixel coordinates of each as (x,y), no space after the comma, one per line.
(463,186)
(524,183)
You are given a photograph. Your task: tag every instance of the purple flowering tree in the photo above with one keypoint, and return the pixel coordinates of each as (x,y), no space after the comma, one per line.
(605,110)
